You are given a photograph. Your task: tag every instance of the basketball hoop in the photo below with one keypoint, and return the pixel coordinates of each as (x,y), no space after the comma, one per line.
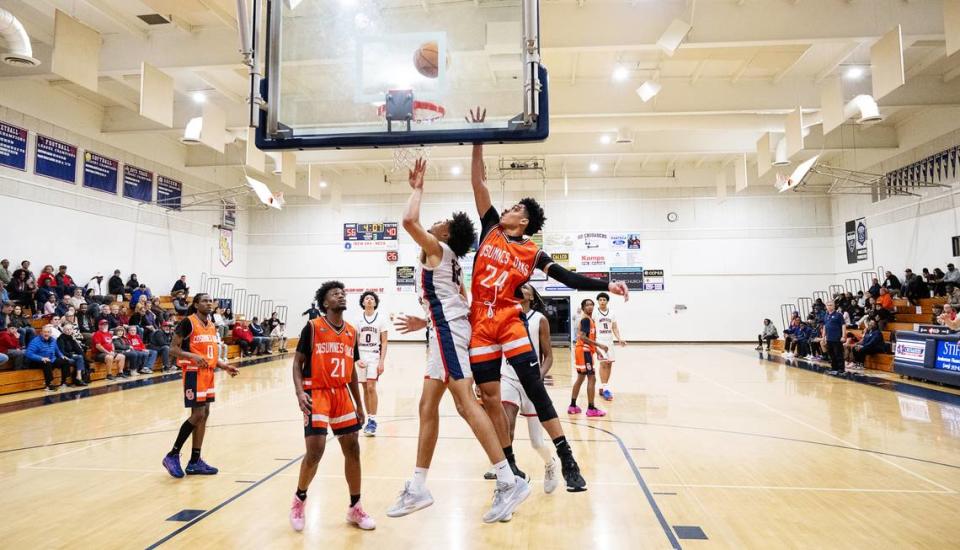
(407,157)
(424,112)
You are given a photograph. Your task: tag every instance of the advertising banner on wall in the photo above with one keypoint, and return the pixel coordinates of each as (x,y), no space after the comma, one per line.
(55,159)
(653,279)
(137,183)
(632,276)
(405,278)
(169,192)
(602,275)
(593,241)
(362,237)
(13,146)
(948,356)
(856,236)
(100,172)
(592,261)
(913,352)
(561,258)
(618,241)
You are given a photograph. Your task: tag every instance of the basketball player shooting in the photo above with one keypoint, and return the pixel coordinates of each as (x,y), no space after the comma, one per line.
(505,260)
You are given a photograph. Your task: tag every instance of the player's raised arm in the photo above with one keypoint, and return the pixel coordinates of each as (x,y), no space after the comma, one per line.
(577,281)
(478,171)
(411,216)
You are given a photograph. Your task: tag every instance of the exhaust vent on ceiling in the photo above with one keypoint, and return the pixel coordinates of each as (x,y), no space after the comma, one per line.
(154,19)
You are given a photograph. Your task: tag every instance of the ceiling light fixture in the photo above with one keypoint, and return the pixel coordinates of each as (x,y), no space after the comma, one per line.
(456,170)
(323,184)
(648,90)
(854,73)
(605,139)
(594,166)
(191,134)
(621,73)
(199,97)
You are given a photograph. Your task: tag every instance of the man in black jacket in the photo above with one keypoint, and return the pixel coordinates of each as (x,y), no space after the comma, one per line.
(73,351)
(115,284)
(181,284)
(160,341)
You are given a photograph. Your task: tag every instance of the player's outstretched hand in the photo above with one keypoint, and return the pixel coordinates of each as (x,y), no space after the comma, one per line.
(406,324)
(416,175)
(620,289)
(232,370)
(305,402)
(476,115)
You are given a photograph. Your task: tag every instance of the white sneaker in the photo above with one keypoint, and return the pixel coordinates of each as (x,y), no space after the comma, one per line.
(361,519)
(550,480)
(410,501)
(506,498)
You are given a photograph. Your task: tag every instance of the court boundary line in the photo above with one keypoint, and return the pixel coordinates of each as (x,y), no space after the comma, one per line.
(667,529)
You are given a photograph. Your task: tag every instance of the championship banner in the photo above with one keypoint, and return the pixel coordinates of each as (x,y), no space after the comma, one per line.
(652,279)
(856,235)
(228,218)
(13,147)
(169,192)
(632,276)
(405,278)
(100,172)
(137,183)
(55,159)
(226,247)
(370,236)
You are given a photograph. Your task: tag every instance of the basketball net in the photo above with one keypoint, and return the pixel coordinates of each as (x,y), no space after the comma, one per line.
(404,158)
(424,113)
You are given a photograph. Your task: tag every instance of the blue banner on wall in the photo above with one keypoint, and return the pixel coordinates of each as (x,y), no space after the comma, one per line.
(137,183)
(100,172)
(55,159)
(948,356)
(169,192)
(13,146)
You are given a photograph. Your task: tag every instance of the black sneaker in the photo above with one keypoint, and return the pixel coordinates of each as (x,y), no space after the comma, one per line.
(571,474)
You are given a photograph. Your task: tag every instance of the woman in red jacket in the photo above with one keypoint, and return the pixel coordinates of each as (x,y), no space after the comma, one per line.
(243,336)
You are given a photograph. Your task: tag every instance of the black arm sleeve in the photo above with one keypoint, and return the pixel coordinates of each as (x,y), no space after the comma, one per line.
(569,278)
(490,220)
(304,345)
(184,329)
(356,349)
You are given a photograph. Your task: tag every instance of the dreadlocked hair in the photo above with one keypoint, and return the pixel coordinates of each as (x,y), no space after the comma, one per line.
(323,290)
(462,234)
(537,303)
(193,304)
(376,299)
(535,215)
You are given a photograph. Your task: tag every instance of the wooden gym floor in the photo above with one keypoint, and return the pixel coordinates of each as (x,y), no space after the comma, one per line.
(705,447)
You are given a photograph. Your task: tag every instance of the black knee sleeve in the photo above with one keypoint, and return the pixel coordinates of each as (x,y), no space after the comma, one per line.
(528,370)
(487,371)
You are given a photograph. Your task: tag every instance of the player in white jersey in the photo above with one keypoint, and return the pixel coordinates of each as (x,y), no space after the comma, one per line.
(372,329)
(448,360)
(607,331)
(515,399)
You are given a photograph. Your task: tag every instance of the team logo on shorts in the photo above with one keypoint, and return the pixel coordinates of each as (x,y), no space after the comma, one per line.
(188,394)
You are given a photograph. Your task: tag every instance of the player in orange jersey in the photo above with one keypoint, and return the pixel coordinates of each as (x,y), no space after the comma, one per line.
(194,347)
(323,370)
(504,262)
(585,359)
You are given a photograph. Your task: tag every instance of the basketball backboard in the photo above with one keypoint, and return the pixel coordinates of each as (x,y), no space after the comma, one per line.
(391,73)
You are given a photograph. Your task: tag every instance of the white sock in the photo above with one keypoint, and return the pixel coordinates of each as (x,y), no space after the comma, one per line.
(372,417)
(504,473)
(419,478)
(602,386)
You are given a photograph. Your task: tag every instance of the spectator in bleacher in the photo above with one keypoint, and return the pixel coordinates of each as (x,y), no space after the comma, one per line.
(11,347)
(132,283)
(951,278)
(19,289)
(94,301)
(50,306)
(6,314)
(885,308)
(260,338)
(65,283)
(115,284)
(220,322)
(76,298)
(123,317)
(160,342)
(936,282)
(915,289)
(313,312)
(70,316)
(151,321)
(47,275)
(95,284)
(4,295)
(802,337)
(871,344)
(271,323)
(133,361)
(105,352)
(892,283)
(768,335)
(86,322)
(43,353)
(138,320)
(790,336)
(155,307)
(22,322)
(43,295)
(73,353)
(181,285)
(221,349)
(849,340)
(140,292)
(243,337)
(833,334)
(954,298)
(5,275)
(148,357)
(55,323)
(63,306)
(228,317)
(949,314)
(875,288)
(279,335)
(180,304)
(111,315)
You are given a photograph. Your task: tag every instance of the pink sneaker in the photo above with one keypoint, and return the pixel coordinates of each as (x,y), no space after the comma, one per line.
(574,410)
(296,513)
(358,517)
(594,413)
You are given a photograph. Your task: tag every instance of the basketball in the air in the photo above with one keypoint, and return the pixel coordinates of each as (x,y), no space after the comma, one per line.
(426,59)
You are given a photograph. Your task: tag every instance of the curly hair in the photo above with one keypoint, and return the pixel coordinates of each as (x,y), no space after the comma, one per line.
(462,234)
(376,299)
(323,290)
(535,215)
(584,303)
